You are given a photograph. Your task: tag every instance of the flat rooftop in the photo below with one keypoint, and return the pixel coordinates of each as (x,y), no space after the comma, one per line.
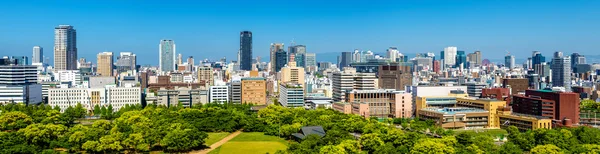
(455,110)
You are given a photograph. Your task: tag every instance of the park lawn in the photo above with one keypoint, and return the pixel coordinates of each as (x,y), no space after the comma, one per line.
(215,151)
(252,143)
(251,147)
(215,137)
(258,136)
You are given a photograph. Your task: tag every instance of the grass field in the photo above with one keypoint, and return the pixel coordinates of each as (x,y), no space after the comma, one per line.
(215,137)
(252,143)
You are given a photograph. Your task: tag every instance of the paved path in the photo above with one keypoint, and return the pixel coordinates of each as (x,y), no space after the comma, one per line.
(218,144)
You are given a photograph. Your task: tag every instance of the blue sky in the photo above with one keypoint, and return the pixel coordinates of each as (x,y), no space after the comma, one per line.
(210,29)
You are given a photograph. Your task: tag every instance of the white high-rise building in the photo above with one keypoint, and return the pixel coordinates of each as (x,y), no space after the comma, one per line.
(392,53)
(167,55)
(65,48)
(450,56)
(38,55)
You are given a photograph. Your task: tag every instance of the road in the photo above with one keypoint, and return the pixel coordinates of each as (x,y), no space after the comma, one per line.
(218,144)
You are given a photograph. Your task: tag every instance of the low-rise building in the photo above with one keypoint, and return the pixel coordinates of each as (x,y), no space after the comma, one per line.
(117,97)
(378,103)
(522,121)
(291,94)
(187,97)
(456,117)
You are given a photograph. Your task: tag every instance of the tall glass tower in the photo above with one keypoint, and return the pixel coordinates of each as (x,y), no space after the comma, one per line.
(65,48)
(245,52)
(166,55)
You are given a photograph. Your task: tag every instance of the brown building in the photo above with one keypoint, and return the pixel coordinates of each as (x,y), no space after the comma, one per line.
(517,85)
(546,103)
(394,77)
(254,90)
(584,92)
(164,82)
(436,66)
(497,93)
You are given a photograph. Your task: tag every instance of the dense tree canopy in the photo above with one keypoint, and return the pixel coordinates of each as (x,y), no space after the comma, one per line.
(40,129)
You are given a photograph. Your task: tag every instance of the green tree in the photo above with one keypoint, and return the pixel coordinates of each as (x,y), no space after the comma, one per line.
(332,149)
(350,146)
(587,149)
(370,142)
(510,148)
(546,149)
(136,142)
(474,149)
(91,146)
(429,146)
(43,134)
(14,120)
(97,110)
(111,143)
(183,138)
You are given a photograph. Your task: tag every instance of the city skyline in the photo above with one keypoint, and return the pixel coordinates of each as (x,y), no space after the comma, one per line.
(413,27)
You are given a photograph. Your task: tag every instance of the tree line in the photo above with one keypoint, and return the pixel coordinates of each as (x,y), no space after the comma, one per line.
(43,129)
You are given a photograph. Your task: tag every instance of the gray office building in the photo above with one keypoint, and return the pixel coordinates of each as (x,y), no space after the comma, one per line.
(561,71)
(345,60)
(245,52)
(126,62)
(311,59)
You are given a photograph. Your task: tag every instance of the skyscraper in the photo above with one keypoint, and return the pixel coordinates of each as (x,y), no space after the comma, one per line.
(65,48)
(245,52)
(179,59)
(449,56)
(461,59)
(105,62)
(509,61)
(537,58)
(167,55)
(281,60)
(576,58)
(475,58)
(345,60)
(38,55)
(273,53)
(561,71)
(299,52)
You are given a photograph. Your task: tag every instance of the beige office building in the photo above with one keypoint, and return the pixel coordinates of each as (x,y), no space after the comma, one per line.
(105,62)
(254,90)
(206,74)
(292,73)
